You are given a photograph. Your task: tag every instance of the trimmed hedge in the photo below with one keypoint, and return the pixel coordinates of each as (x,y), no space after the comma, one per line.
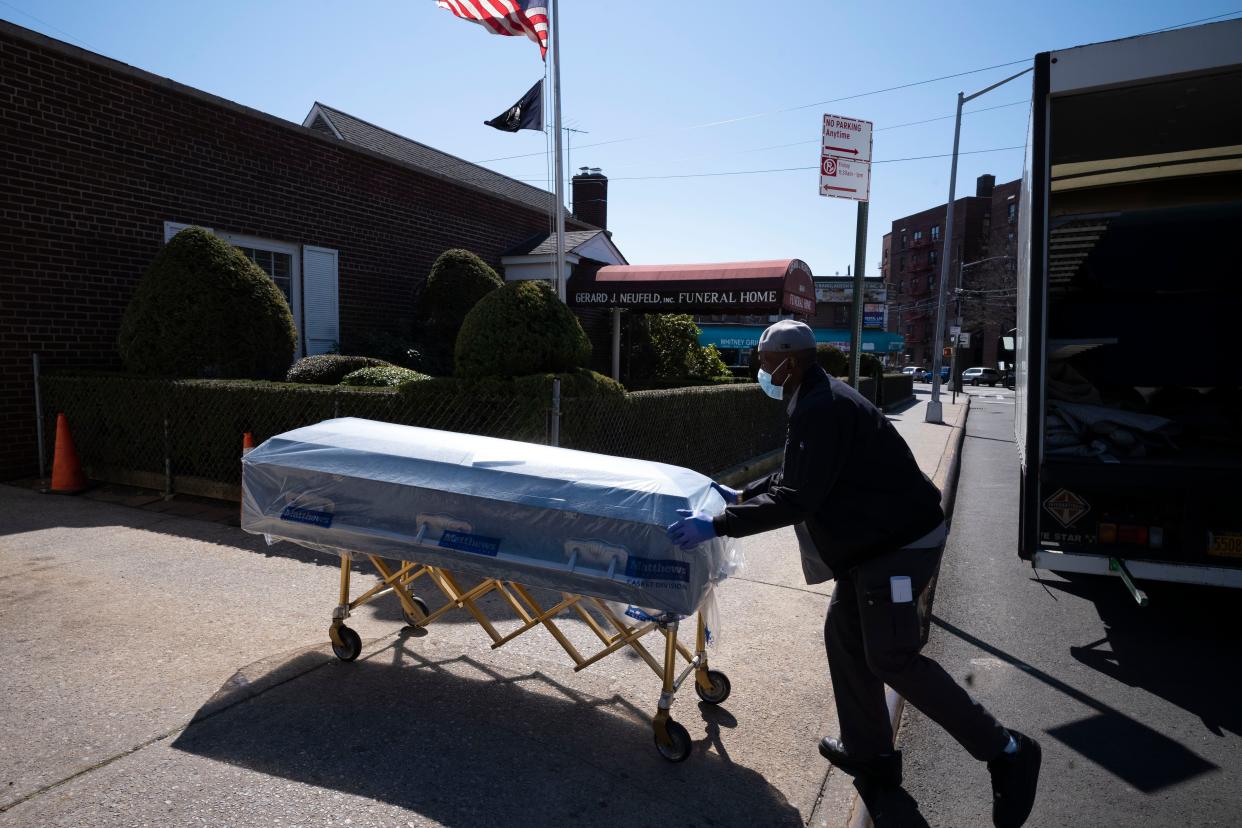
(519,330)
(896,389)
(832,359)
(456,283)
(458,280)
(202,309)
(119,420)
(329,369)
(382,376)
(689,382)
(708,429)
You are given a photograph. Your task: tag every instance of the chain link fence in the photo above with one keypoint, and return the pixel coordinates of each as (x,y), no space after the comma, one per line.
(186,435)
(708,429)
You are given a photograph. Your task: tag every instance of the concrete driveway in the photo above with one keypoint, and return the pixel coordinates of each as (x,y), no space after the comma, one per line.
(167,671)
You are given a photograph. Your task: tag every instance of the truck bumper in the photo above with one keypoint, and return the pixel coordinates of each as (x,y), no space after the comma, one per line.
(1143,570)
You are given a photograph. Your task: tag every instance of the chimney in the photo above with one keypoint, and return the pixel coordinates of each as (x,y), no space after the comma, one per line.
(590,196)
(984,186)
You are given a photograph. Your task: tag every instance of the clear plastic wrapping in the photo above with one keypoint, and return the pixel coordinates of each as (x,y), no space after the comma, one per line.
(567,520)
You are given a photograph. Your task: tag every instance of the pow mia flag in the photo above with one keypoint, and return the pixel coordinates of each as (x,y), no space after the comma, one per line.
(525,114)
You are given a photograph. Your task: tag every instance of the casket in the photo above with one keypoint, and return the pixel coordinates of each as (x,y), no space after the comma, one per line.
(542,516)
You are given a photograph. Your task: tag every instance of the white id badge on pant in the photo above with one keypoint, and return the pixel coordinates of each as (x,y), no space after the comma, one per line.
(899,589)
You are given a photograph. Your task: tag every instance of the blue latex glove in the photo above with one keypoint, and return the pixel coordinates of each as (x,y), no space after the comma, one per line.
(692,529)
(729,495)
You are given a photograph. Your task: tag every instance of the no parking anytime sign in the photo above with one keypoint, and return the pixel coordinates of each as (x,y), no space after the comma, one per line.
(845,162)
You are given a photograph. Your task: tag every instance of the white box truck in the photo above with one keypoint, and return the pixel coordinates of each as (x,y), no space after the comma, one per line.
(1129,338)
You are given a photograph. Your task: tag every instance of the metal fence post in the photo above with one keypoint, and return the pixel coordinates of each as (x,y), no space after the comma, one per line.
(38,394)
(168,486)
(555,439)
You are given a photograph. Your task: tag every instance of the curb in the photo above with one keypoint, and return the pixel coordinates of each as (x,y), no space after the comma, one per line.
(945,479)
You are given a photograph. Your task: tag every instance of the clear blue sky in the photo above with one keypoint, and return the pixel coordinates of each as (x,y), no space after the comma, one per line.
(648,69)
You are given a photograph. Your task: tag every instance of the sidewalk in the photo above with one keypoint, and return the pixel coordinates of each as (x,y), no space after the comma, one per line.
(170,670)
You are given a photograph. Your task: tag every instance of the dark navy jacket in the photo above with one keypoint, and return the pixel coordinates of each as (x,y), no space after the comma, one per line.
(847,474)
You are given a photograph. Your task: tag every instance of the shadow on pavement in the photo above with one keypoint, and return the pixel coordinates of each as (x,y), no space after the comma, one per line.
(902,407)
(890,807)
(1185,646)
(460,743)
(89,514)
(1128,749)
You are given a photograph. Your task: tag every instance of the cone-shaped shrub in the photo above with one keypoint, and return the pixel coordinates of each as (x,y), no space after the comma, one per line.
(520,329)
(203,309)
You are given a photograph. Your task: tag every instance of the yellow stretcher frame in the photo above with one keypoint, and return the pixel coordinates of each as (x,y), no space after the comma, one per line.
(672,739)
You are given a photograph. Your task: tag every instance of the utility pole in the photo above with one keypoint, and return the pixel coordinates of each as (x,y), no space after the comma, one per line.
(935,411)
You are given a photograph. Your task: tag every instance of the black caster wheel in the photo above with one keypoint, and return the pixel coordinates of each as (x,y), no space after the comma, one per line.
(720,688)
(350,646)
(422,606)
(679,746)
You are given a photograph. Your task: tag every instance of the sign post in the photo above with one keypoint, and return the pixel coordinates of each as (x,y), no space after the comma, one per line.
(845,172)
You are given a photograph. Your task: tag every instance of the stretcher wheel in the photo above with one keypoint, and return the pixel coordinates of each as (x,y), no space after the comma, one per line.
(720,688)
(422,606)
(679,747)
(350,647)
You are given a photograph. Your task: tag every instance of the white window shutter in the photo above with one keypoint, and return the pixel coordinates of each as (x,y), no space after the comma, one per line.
(320,302)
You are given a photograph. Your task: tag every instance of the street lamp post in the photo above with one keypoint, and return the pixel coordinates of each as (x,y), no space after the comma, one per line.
(957,301)
(935,411)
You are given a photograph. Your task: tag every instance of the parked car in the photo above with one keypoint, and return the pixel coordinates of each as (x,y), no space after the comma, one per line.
(981,376)
(919,374)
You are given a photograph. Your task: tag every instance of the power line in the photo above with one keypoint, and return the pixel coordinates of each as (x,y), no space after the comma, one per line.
(852,97)
(1191,22)
(797,108)
(817,141)
(804,169)
(762,172)
(49,25)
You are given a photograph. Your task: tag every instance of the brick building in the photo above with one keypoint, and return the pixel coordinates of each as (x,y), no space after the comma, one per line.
(102,162)
(833,321)
(984,236)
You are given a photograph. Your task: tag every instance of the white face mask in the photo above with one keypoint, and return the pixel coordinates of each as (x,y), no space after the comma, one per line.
(776,392)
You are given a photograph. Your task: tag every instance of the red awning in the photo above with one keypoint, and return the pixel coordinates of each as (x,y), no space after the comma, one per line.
(777,286)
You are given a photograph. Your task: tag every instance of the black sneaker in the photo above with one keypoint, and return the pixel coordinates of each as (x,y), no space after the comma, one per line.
(884,769)
(1014,779)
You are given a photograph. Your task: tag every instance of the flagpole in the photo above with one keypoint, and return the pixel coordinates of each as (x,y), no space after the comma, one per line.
(556,139)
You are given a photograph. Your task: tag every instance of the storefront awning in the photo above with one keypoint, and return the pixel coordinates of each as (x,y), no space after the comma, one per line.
(746,337)
(771,287)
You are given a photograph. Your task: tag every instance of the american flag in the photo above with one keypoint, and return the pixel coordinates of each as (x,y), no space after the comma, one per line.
(505,17)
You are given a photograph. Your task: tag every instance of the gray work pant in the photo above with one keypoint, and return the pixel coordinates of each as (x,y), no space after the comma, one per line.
(872,641)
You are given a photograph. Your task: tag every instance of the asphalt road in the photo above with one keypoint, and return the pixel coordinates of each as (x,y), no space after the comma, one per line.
(1138,710)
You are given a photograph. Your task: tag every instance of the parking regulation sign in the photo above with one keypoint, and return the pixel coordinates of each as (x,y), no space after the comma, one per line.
(847,138)
(845,162)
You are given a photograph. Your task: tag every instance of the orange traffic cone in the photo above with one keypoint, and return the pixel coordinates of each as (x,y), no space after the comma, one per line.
(67,477)
(247,447)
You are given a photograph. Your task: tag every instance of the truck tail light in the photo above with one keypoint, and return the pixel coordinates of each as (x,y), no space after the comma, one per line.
(1136,535)
(1107,533)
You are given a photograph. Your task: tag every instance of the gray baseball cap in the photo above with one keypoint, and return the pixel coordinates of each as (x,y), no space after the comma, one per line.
(787,335)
